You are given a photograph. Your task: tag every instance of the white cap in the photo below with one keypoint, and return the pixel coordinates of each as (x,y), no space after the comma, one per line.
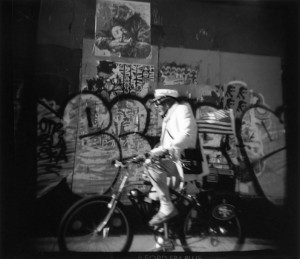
(159,93)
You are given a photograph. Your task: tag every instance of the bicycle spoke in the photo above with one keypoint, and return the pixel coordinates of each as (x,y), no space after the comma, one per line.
(203,234)
(79,229)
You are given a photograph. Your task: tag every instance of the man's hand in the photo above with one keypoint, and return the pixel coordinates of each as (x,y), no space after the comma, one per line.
(139,158)
(174,153)
(158,152)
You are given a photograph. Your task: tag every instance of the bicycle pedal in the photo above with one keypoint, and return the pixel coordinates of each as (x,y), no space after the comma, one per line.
(158,228)
(164,245)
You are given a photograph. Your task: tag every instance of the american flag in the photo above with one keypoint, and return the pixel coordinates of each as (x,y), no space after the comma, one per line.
(218,122)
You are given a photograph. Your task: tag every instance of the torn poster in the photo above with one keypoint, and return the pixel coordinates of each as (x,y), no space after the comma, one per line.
(123,29)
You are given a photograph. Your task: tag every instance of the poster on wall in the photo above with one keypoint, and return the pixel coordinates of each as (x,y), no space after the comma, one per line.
(246,79)
(122,29)
(172,73)
(118,78)
(236,96)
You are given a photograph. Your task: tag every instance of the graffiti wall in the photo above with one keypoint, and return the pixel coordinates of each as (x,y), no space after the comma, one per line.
(111,117)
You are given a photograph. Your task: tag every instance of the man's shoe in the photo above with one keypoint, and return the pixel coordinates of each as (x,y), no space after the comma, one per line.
(166,246)
(160,217)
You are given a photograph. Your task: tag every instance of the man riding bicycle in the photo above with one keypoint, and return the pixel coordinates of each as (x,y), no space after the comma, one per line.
(179,132)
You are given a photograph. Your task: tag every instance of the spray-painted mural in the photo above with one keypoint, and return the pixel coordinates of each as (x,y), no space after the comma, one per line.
(112,117)
(264,139)
(81,145)
(55,152)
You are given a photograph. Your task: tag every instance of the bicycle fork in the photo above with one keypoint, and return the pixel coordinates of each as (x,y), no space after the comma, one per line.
(112,205)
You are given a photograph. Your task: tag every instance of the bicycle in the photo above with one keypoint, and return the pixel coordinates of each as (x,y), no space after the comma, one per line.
(101,224)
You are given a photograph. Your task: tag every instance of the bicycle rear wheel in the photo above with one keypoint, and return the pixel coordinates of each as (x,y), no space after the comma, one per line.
(204,233)
(77,228)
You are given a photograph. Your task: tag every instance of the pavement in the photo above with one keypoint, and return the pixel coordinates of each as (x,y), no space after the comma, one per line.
(146,243)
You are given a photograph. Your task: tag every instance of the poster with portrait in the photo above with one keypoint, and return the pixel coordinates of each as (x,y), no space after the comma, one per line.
(123,29)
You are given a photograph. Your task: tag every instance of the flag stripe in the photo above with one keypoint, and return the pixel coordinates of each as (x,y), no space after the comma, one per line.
(214,123)
(218,122)
(216,131)
(201,128)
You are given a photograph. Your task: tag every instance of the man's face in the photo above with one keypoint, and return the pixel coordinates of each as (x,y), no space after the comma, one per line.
(161,106)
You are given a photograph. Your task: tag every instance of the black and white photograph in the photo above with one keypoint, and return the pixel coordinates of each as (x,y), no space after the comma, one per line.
(150,129)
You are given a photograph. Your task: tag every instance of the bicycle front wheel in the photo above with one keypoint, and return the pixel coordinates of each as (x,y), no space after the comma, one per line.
(77,231)
(204,233)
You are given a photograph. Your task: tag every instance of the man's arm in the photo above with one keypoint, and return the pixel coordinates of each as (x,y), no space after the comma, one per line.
(186,123)
(158,151)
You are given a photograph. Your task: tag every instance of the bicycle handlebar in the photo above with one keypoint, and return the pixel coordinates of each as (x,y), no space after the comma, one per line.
(143,158)
(137,159)
(125,162)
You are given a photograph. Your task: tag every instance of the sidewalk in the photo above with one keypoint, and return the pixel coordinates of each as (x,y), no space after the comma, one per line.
(146,243)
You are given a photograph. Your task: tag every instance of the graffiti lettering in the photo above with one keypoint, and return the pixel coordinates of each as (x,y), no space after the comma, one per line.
(133,76)
(119,78)
(51,141)
(173,73)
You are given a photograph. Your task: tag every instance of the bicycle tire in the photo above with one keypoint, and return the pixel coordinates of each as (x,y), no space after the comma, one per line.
(77,227)
(203,233)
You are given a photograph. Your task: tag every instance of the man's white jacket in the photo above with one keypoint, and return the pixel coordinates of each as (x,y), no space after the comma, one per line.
(179,129)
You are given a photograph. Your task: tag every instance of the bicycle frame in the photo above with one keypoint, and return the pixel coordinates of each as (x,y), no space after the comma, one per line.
(112,205)
(115,196)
